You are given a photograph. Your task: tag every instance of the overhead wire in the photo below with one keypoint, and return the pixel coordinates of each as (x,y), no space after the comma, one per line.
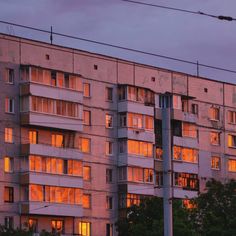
(219,17)
(120,47)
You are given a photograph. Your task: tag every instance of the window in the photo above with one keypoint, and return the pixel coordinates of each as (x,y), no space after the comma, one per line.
(87,118)
(122,146)
(86,201)
(122,93)
(189,130)
(9,76)
(214,113)
(87,173)
(9,105)
(231,140)
(57,226)
(109,202)
(136,174)
(33,225)
(108,176)
(9,222)
(33,137)
(53,78)
(177,104)
(8,164)
(57,140)
(109,229)
(8,135)
(159,178)
(109,121)
(232,117)
(194,109)
(232,165)
(148,175)
(84,228)
(84,145)
(215,138)
(86,89)
(109,94)
(186,181)
(159,153)
(36,193)
(109,148)
(8,194)
(185,154)
(215,162)
(122,173)
(140,148)
(184,105)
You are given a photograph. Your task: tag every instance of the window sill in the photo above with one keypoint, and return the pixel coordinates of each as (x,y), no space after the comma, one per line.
(215,169)
(10,113)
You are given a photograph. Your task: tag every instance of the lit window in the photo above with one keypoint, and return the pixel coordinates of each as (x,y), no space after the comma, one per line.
(186,181)
(215,138)
(140,148)
(33,225)
(177,104)
(232,165)
(57,140)
(148,175)
(8,194)
(87,173)
(8,135)
(33,137)
(9,222)
(87,118)
(84,145)
(159,153)
(109,94)
(135,120)
(214,113)
(9,76)
(109,202)
(8,164)
(84,228)
(109,121)
(149,123)
(185,154)
(215,162)
(9,105)
(57,226)
(36,192)
(108,176)
(188,204)
(231,140)
(86,201)
(109,148)
(35,163)
(232,117)
(177,153)
(86,88)
(189,130)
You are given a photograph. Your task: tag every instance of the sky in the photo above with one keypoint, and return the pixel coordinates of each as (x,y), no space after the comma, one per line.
(170,33)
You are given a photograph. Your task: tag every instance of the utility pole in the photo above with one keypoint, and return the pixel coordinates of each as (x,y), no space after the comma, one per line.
(167,165)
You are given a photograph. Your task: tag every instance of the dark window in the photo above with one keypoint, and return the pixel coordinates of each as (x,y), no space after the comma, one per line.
(8,194)
(109,94)
(53,78)
(8,222)
(108,175)
(95,67)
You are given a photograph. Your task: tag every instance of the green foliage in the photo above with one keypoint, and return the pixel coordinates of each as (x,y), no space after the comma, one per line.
(214,214)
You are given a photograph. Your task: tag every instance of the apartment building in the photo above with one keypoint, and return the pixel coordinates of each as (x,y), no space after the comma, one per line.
(82,136)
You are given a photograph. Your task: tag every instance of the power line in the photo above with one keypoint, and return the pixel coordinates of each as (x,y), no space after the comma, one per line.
(220,17)
(120,47)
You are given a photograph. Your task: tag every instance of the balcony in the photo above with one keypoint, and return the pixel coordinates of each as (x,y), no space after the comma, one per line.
(178,114)
(52,209)
(179,166)
(133,160)
(140,188)
(137,134)
(135,107)
(47,150)
(177,193)
(36,89)
(51,121)
(185,142)
(51,179)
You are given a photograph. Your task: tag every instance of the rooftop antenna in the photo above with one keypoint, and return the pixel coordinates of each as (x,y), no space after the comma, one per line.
(51,37)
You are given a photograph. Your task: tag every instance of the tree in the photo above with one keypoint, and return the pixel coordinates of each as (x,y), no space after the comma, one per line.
(147,219)
(215,211)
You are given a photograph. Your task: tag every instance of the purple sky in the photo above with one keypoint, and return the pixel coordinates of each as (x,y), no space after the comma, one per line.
(176,34)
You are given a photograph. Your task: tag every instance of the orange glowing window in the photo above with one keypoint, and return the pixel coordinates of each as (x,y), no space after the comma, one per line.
(84,145)
(84,228)
(36,192)
(140,148)
(86,201)
(87,117)
(215,162)
(231,140)
(57,140)
(35,163)
(60,79)
(189,155)
(57,226)
(86,88)
(159,154)
(33,137)
(189,130)
(215,138)
(8,164)
(232,165)
(8,135)
(109,121)
(87,173)
(214,113)
(149,123)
